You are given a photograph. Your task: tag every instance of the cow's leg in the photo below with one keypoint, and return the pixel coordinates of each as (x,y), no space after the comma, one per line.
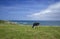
(33,26)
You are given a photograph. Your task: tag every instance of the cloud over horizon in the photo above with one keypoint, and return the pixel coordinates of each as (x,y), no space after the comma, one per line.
(52,12)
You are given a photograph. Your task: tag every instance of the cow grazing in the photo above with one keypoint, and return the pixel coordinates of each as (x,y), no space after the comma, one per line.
(35,24)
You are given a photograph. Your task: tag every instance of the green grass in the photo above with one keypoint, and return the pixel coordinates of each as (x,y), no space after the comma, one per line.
(8,31)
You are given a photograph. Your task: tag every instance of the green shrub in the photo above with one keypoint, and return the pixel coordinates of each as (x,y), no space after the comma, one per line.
(2,21)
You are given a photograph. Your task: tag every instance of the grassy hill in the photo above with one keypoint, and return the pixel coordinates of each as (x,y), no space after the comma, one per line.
(15,31)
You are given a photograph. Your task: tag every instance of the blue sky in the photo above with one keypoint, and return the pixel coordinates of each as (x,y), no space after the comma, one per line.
(29,10)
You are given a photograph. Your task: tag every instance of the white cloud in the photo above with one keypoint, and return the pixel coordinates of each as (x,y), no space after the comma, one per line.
(51,13)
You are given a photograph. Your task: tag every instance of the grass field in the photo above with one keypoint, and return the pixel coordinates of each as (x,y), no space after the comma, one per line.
(9,31)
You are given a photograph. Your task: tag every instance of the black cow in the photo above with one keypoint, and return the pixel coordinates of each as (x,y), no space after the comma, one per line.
(35,24)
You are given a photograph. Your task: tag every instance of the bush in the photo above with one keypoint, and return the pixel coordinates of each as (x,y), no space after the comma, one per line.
(2,21)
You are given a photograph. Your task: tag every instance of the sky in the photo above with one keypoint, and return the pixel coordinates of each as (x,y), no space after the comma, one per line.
(29,9)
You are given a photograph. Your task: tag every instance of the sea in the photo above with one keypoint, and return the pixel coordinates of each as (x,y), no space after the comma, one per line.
(43,23)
